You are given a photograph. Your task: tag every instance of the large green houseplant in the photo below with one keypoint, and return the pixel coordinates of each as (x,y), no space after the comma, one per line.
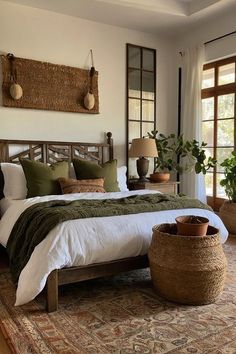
(229,182)
(180,155)
(228,209)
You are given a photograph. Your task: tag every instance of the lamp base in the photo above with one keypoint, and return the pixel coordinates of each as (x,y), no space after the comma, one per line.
(142,168)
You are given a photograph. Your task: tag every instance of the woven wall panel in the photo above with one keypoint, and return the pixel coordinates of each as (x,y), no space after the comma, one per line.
(49,86)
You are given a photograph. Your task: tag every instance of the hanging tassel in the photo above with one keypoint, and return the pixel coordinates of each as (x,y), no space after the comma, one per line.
(16,91)
(89,99)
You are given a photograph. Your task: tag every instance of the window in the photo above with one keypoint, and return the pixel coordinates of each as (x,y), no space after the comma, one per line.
(141,97)
(218,121)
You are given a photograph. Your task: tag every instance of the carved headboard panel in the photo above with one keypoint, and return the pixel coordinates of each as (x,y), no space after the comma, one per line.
(52,151)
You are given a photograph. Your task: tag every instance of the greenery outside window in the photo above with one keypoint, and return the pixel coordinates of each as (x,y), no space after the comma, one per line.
(218,121)
(140,98)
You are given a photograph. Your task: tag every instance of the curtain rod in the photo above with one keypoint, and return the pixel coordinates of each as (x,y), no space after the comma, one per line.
(216,39)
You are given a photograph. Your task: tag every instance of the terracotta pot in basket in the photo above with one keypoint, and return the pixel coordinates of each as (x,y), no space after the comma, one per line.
(191,225)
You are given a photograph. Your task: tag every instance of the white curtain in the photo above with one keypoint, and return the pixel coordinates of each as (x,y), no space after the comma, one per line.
(192,184)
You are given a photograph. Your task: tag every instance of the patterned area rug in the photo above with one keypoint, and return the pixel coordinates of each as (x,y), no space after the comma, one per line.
(120,315)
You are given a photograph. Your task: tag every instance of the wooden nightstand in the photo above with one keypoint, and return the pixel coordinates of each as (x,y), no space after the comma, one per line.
(169,187)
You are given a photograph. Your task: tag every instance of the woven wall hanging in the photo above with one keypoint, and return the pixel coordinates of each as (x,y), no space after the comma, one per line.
(48,86)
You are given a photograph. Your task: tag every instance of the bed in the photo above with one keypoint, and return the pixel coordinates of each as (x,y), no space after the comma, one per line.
(80,261)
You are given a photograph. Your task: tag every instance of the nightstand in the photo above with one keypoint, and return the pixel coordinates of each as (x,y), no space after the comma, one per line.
(169,187)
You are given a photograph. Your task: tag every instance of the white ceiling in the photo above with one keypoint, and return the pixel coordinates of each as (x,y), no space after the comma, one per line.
(170,17)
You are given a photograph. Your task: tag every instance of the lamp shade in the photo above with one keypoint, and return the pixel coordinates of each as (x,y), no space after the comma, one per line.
(143,147)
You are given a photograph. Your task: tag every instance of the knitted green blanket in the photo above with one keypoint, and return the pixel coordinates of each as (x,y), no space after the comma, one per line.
(38,220)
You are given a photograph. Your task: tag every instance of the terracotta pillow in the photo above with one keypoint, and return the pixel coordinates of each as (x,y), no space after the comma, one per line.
(69,185)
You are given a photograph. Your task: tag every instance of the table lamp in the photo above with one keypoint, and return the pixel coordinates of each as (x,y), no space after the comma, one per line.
(142,148)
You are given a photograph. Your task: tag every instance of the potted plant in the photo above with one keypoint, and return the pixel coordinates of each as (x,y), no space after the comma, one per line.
(228,209)
(179,155)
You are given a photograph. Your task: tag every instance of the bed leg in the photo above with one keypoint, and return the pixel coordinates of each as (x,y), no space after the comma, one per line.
(52,291)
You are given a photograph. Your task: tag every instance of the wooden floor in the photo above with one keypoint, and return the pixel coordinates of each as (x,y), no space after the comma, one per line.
(4,349)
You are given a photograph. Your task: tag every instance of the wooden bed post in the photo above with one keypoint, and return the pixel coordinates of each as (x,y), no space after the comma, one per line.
(4,152)
(52,291)
(110,143)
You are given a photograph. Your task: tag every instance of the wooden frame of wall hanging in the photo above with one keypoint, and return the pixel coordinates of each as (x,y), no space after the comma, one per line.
(48,86)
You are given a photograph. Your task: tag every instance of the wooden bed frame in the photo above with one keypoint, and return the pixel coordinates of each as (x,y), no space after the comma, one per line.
(49,152)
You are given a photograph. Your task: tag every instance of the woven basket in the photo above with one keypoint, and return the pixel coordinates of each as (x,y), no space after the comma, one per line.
(228,215)
(187,269)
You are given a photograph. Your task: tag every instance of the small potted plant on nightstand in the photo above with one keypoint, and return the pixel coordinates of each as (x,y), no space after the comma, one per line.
(228,209)
(179,155)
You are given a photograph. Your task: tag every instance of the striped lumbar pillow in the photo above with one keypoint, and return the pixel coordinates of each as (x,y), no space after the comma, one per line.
(69,185)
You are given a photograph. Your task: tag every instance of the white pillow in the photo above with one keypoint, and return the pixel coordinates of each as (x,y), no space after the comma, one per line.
(72,172)
(121,178)
(14,181)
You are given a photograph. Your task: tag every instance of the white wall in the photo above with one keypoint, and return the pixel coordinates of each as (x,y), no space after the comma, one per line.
(61,39)
(209,30)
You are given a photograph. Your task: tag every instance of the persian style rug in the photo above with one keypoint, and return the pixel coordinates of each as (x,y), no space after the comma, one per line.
(120,314)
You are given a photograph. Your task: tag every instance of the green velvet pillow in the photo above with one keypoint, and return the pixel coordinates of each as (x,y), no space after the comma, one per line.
(108,171)
(42,179)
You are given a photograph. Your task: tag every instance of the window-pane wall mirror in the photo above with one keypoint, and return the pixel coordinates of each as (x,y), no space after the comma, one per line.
(140,98)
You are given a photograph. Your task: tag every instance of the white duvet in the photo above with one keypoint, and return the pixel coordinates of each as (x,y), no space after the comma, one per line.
(86,241)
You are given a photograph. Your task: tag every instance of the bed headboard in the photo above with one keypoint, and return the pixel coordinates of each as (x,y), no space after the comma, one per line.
(52,151)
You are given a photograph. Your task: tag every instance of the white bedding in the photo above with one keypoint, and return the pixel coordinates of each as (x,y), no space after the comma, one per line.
(86,241)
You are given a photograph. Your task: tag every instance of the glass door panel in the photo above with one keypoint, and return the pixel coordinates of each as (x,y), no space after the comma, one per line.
(208,108)
(209,153)
(220,191)
(209,183)
(226,106)
(208,132)
(226,74)
(221,155)
(208,78)
(225,132)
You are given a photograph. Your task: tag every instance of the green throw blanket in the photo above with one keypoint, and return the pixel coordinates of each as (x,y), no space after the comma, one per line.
(38,220)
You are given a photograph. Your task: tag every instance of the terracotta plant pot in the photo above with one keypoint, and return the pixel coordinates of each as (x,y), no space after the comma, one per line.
(228,216)
(160,177)
(190,225)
